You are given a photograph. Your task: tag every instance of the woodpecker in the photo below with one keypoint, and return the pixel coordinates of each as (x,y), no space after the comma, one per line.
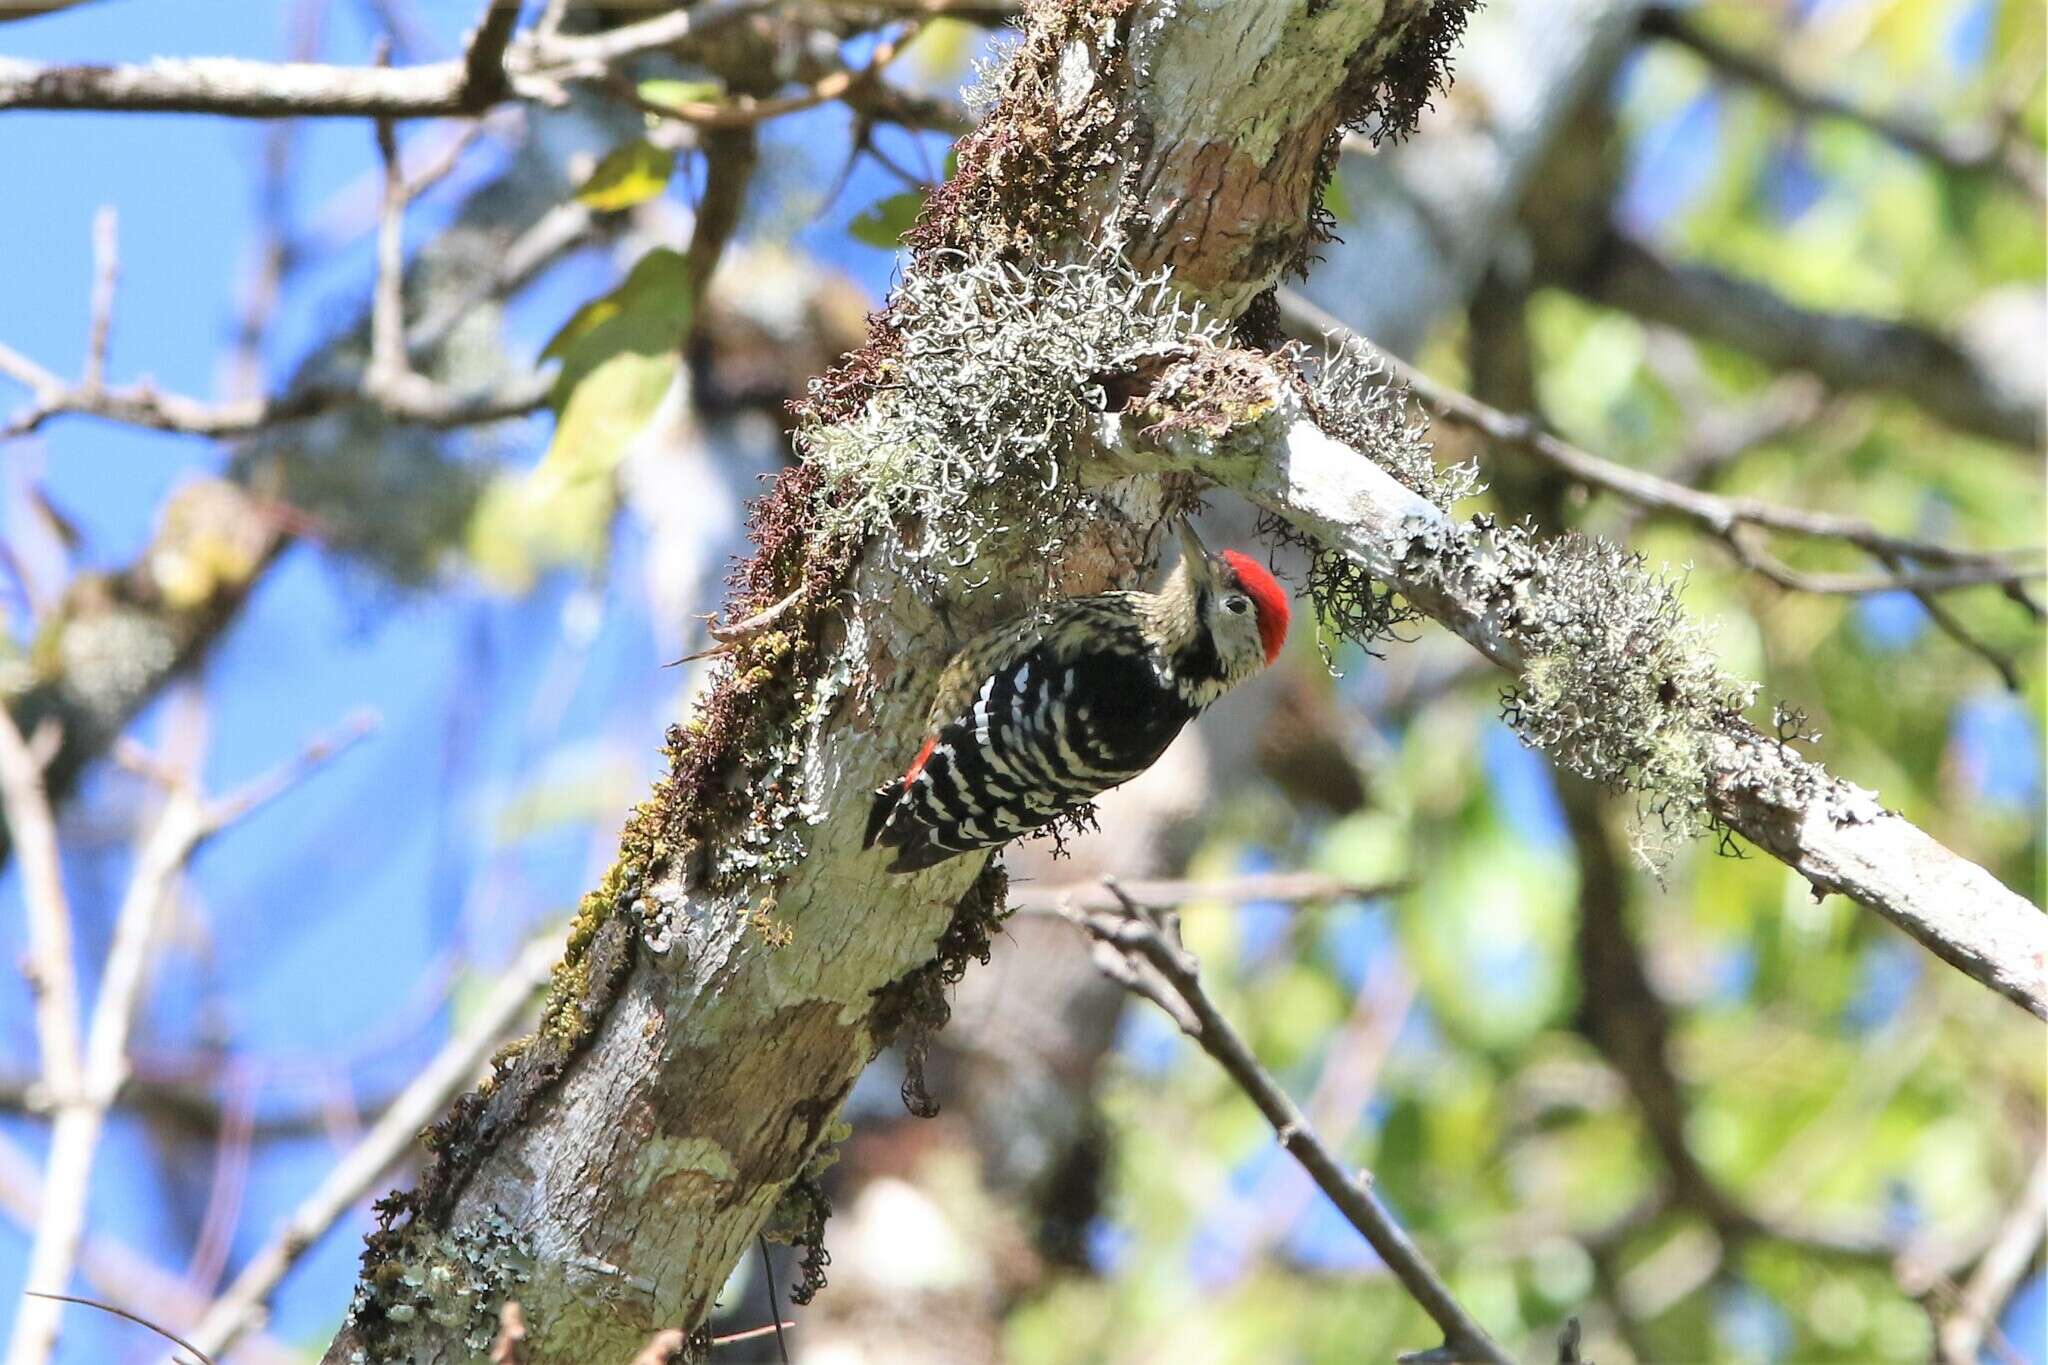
(1035,717)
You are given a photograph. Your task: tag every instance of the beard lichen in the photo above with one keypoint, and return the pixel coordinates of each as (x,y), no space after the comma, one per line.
(1353,395)
(1619,684)
(984,402)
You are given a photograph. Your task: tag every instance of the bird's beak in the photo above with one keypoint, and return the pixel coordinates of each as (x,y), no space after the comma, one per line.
(1193,554)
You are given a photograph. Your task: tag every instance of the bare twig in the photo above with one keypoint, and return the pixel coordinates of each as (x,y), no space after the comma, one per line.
(106,271)
(774,1329)
(114,1268)
(387,301)
(1140,935)
(1983,1299)
(388,1140)
(53,976)
(145,405)
(1724,518)
(753,625)
(1837,836)
(83,1097)
(744,111)
(1970,151)
(166,1333)
(1952,626)
(495,65)
(81,1107)
(1290,888)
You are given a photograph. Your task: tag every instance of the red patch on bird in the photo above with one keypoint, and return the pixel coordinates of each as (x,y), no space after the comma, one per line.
(1268,598)
(917,764)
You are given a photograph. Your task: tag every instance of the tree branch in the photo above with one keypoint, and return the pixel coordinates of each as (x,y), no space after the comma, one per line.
(82,1097)
(82,1105)
(1292,888)
(1982,1301)
(1837,836)
(494,66)
(1724,518)
(1965,151)
(1149,943)
(53,976)
(1848,351)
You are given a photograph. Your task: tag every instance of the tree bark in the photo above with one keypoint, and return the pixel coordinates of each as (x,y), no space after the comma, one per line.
(745,958)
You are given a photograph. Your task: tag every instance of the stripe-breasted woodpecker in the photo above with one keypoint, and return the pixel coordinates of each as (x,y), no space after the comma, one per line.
(1035,717)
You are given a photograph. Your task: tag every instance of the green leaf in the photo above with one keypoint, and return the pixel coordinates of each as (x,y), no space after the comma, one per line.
(674,94)
(1335,200)
(631,173)
(619,355)
(883,223)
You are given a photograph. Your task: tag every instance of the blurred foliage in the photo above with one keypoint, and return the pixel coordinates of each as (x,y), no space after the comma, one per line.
(1834,1074)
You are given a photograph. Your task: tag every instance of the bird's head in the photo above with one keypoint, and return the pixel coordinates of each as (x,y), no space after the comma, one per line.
(1235,603)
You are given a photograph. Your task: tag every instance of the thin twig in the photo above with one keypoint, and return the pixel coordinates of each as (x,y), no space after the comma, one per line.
(1140,935)
(1952,626)
(774,1299)
(1287,888)
(387,302)
(81,1109)
(390,1138)
(106,271)
(754,625)
(113,1268)
(776,1328)
(53,976)
(2012,1250)
(744,111)
(83,1098)
(144,405)
(166,1333)
(495,65)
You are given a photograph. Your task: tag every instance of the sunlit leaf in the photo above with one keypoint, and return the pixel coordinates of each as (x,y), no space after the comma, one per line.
(681,94)
(630,174)
(619,355)
(884,222)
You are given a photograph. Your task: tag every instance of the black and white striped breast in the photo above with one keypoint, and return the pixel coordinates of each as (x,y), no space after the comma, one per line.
(1036,740)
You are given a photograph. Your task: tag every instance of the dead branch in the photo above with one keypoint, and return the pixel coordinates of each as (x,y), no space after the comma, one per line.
(1148,942)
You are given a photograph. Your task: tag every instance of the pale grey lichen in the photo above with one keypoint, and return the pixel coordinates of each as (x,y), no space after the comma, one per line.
(1618,683)
(457,1280)
(1355,395)
(979,411)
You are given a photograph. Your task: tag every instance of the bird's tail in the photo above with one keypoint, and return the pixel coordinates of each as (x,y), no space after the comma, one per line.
(911,841)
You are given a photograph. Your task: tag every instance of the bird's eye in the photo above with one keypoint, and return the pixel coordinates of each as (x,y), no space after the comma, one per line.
(1237,606)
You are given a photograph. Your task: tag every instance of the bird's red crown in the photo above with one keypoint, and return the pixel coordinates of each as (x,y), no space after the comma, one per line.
(1269,599)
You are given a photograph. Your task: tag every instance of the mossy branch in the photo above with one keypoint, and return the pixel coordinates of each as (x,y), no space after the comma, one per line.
(1614,679)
